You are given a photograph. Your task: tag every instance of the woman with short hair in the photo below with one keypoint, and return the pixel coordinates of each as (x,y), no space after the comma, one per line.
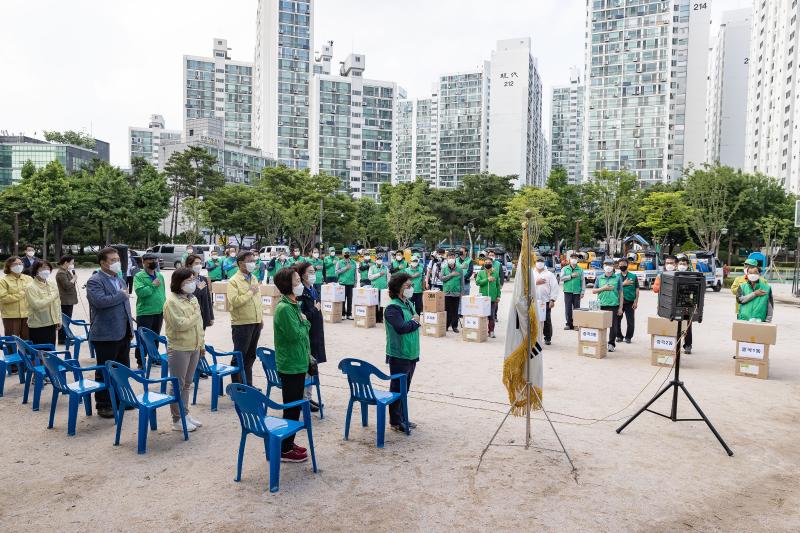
(13,302)
(67,281)
(310,307)
(44,305)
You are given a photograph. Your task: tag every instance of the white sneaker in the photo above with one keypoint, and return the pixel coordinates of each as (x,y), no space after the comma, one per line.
(193,420)
(177,426)
(611,348)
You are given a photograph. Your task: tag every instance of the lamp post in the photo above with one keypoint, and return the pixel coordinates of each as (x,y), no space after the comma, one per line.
(577,233)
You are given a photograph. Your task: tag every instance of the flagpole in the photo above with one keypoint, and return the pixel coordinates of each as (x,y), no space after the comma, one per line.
(527,281)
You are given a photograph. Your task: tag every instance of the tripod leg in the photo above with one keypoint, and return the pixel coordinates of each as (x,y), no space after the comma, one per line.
(648,404)
(707,421)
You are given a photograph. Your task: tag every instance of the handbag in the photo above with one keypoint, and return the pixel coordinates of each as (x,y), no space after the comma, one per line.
(313,369)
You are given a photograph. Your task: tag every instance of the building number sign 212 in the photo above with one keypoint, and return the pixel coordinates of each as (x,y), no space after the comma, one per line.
(506,77)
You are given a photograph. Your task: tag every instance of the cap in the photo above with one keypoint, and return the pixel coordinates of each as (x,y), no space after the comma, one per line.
(608,261)
(345,250)
(332,249)
(149,257)
(751,262)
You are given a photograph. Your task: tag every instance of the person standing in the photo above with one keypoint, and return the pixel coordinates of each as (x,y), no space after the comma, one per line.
(111,320)
(399,264)
(183,327)
(317,263)
(292,350)
(246,309)
(129,272)
(754,297)
(67,281)
(453,281)
(278,263)
(433,271)
(214,267)
(189,251)
(489,285)
(608,288)
(416,271)
(363,270)
(379,279)
(574,288)
(150,298)
(546,295)
(329,264)
(310,306)
(230,265)
(29,259)
(743,279)
(346,274)
(44,305)
(464,264)
(630,296)
(402,343)
(13,302)
(261,267)
(202,291)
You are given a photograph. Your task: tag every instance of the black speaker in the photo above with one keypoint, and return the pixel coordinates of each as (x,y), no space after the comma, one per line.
(682,294)
(122,250)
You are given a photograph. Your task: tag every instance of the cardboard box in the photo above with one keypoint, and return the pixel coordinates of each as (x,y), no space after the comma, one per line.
(332,292)
(332,312)
(752,369)
(662,358)
(476,305)
(757,332)
(592,319)
(475,334)
(433,301)
(753,351)
(476,322)
(218,287)
(662,326)
(593,342)
(365,296)
(662,343)
(434,324)
(220,301)
(270,290)
(364,316)
(270,296)
(385,298)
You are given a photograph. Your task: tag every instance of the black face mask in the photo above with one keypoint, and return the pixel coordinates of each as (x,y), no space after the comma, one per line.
(347,256)
(623,268)
(488,267)
(152,265)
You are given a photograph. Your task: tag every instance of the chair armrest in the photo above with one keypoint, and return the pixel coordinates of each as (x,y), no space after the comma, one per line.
(46,347)
(61,352)
(77,368)
(298,403)
(398,376)
(162,339)
(80,323)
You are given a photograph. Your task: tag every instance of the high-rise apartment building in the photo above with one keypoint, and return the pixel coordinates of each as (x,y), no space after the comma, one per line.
(283,70)
(773,101)
(646,64)
(353,127)
(726,110)
(146,142)
(417,140)
(566,127)
(404,168)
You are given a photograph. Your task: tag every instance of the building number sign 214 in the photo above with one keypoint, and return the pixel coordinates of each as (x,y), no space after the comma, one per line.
(506,77)
(699,6)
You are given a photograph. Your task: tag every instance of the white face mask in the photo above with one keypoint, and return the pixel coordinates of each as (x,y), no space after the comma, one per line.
(333,254)
(670,267)
(539,265)
(17,269)
(116,268)
(44,274)
(451,262)
(250,266)
(197,268)
(753,277)
(29,254)
(409,292)
(682,268)
(190,251)
(214,257)
(414,264)
(282,258)
(71,266)
(311,277)
(608,269)
(297,254)
(232,255)
(315,255)
(379,262)
(399,257)
(298,289)
(573,262)
(189,287)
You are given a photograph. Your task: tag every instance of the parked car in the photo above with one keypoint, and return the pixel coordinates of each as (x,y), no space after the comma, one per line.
(268,252)
(172,254)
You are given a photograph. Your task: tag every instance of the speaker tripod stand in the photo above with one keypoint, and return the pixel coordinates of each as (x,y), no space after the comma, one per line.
(675,385)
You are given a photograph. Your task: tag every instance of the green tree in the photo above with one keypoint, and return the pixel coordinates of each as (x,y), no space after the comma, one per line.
(233,210)
(370,223)
(151,197)
(406,214)
(614,194)
(544,206)
(483,197)
(105,199)
(664,217)
(710,202)
(193,174)
(75,138)
(44,193)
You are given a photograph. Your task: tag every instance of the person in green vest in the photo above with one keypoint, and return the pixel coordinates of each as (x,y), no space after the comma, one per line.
(229,264)
(189,251)
(608,288)
(363,270)
(317,263)
(489,285)
(379,279)
(630,297)
(574,288)
(278,263)
(148,284)
(329,264)
(402,344)
(214,267)
(416,271)
(452,285)
(754,297)
(399,264)
(261,268)
(346,275)
(296,256)
(464,264)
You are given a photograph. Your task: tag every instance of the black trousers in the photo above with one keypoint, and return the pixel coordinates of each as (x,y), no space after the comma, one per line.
(119,351)
(245,341)
(399,366)
(548,323)
(417,299)
(571,301)
(67,310)
(687,340)
(151,322)
(331,279)
(43,335)
(129,281)
(292,387)
(451,308)
(628,313)
(615,323)
(348,301)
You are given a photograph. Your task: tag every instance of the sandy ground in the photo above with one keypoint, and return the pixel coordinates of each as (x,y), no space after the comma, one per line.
(656,476)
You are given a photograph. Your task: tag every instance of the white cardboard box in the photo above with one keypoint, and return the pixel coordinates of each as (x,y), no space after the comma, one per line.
(332,292)
(365,296)
(385,299)
(476,305)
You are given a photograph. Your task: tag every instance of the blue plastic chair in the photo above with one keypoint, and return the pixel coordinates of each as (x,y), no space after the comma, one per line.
(251,406)
(122,394)
(10,357)
(149,340)
(34,369)
(267,358)
(358,374)
(80,390)
(71,339)
(216,371)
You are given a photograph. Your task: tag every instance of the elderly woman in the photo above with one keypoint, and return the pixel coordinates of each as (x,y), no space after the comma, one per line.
(13,302)
(310,307)
(44,305)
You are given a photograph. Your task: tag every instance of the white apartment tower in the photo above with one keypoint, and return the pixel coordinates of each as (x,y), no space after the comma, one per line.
(219,87)
(417,140)
(566,127)
(515,113)
(646,77)
(147,142)
(283,70)
(726,112)
(773,100)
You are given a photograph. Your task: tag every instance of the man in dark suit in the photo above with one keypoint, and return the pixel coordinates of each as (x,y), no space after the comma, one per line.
(111,318)
(29,259)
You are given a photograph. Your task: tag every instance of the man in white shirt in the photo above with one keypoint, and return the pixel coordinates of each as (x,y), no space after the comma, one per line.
(546,294)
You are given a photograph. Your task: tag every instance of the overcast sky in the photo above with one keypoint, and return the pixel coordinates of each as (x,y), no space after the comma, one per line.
(104,65)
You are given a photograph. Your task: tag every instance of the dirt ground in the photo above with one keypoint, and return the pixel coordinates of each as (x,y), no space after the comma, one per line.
(655,476)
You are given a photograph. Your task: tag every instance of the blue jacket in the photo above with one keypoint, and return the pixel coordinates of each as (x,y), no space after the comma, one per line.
(109,308)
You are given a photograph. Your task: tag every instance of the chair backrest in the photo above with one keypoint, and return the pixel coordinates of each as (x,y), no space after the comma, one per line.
(66,322)
(56,370)
(149,340)
(251,406)
(120,377)
(358,374)
(267,358)
(217,358)
(28,354)
(9,349)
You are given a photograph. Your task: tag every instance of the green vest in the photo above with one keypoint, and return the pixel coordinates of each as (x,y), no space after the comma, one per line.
(229,267)
(363,274)
(608,298)
(405,346)
(416,282)
(574,285)
(348,277)
(317,264)
(330,266)
(399,267)
(758,306)
(215,270)
(258,273)
(381,282)
(463,264)
(452,285)
(629,291)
